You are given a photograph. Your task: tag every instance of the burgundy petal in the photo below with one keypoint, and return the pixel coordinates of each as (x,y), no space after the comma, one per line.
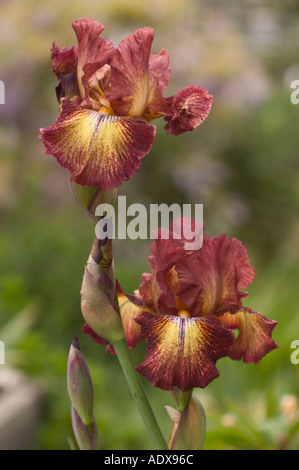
(254,340)
(99,150)
(189,108)
(182,352)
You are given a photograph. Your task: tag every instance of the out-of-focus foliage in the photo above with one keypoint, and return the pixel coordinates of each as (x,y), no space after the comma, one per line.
(241,164)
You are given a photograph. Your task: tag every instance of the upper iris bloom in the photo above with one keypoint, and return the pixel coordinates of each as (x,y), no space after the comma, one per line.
(107,98)
(188,307)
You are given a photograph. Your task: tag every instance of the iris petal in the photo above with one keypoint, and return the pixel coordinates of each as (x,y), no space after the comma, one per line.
(93,51)
(128,313)
(129,73)
(254,340)
(98,149)
(211,278)
(189,108)
(182,352)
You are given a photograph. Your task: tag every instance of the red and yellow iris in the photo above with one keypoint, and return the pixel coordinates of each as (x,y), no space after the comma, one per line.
(107,98)
(187,309)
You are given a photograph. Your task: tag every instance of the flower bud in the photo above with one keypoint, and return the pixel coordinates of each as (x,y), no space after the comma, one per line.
(98,293)
(79,383)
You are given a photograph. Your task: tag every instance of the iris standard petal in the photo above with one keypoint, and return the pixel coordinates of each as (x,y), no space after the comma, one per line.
(129,73)
(93,51)
(99,149)
(211,278)
(182,351)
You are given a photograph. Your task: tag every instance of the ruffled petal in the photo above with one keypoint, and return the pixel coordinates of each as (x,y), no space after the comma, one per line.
(182,352)
(165,253)
(167,250)
(93,51)
(145,290)
(211,278)
(98,149)
(159,69)
(64,60)
(254,340)
(188,109)
(130,75)
(159,75)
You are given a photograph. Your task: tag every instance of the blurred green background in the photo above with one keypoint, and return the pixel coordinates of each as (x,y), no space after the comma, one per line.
(241,164)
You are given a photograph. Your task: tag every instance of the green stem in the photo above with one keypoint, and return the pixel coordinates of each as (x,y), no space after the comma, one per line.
(139,395)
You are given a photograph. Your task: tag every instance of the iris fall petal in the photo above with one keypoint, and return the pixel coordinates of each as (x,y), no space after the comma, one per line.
(98,149)
(182,352)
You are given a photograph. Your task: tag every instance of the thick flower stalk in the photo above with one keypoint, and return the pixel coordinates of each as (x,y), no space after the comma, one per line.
(188,307)
(81,393)
(108,96)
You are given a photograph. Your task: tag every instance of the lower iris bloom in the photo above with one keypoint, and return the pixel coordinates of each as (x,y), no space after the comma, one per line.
(107,98)
(188,307)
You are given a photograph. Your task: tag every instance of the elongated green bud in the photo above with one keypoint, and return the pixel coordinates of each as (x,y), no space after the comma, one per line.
(79,384)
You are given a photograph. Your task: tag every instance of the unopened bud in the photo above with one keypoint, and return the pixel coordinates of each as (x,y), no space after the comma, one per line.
(98,295)
(79,383)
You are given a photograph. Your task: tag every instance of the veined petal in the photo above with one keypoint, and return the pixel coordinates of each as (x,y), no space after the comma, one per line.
(64,60)
(159,69)
(93,51)
(145,290)
(182,352)
(129,73)
(98,149)
(211,278)
(188,109)
(254,340)
(159,75)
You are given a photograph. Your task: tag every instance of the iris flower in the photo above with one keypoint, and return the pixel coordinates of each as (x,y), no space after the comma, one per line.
(188,307)
(108,96)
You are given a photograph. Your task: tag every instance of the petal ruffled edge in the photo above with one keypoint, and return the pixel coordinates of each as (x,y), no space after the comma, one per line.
(98,149)
(211,277)
(182,352)
(188,109)
(130,73)
(255,335)
(64,60)
(93,52)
